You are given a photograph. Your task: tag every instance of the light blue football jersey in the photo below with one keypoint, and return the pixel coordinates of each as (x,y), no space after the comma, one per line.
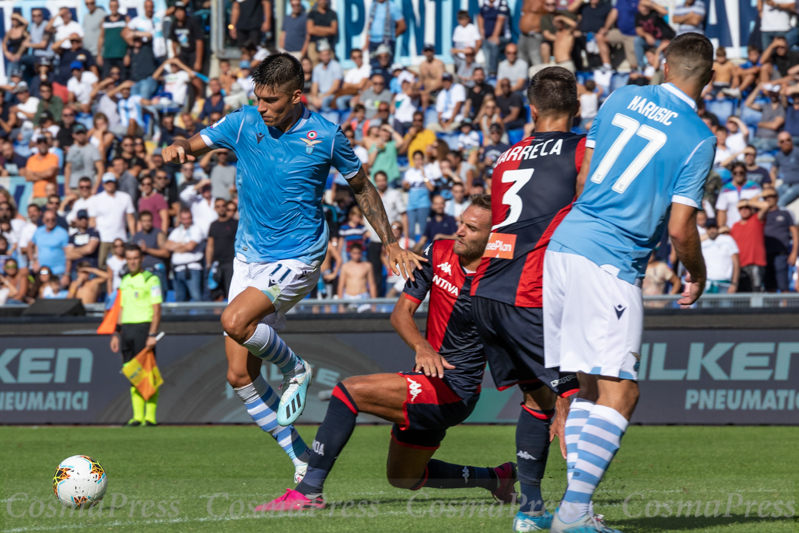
(651,149)
(280,178)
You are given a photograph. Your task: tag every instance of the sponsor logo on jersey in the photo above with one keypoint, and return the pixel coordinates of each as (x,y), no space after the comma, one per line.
(318,448)
(500,246)
(414,388)
(524,455)
(465,475)
(445,267)
(445,285)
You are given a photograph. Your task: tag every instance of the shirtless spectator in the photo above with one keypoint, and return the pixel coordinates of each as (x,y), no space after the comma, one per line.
(530,36)
(657,275)
(357,280)
(431,71)
(726,80)
(87,284)
(563,42)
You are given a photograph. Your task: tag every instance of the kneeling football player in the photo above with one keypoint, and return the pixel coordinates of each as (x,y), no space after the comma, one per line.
(441,392)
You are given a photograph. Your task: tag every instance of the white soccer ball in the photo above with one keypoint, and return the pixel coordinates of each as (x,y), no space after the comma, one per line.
(79,480)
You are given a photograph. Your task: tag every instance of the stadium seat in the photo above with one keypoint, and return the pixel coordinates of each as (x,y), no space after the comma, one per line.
(750,116)
(450,138)
(344,116)
(515,136)
(723,109)
(430,115)
(618,80)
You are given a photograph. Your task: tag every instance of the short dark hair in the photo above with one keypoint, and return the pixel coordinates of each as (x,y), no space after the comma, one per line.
(483,201)
(46,84)
(381,173)
(463,13)
(690,56)
(132,247)
(84,179)
(145,213)
(737,164)
(278,71)
(417,152)
(356,245)
(553,91)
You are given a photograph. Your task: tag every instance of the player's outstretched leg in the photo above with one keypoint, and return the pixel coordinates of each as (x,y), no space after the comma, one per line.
(532,451)
(261,401)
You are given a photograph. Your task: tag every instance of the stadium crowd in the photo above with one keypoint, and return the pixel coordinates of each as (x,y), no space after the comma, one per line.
(96,102)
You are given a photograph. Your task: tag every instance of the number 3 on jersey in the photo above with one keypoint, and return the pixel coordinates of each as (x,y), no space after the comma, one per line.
(511,198)
(630,127)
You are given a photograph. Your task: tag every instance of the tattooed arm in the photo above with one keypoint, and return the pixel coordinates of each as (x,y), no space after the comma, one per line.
(402,262)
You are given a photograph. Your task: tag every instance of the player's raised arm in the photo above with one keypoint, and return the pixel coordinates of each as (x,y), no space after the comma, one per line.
(402,262)
(183,150)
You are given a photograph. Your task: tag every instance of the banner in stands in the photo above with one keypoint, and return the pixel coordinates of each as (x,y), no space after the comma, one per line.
(687,377)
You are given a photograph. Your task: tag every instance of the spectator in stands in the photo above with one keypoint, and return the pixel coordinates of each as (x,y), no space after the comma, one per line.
(126,182)
(26,106)
(115,266)
(176,78)
(250,20)
(79,199)
(41,169)
(623,16)
(39,39)
(749,236)
(513,69)
(431,71)
(383,64)
(786,166)
(129,108)
(384,24)
(468,138)
(48,246)
(190,125)
(449,105)
(405,107)
(772,119)
(199,200)
(782,243)
(439,224)
(792,114)
(749,71)
(53,204)
(111,45)
(154,203)
(476,95)
(322,27)
(417,138)
(111,213)
(775,21)
(220,249)
(83,160)
(15,42)
(593,16)
(327,77)
(372,97)
(722,260)
(87,284)
(459,202)
(26,233)
(169,130)
(215,102)
(493,20)
(84,245)
(184,242)
(152,242)
(356,280)
(222,174)
(142,65)
(395,212)
(778,63)
(11,163)
(294,36)
(557,27)
(657,275)
(356,80)
(466,35)
(690,17)
(15,281)
(755,172)
(92,26)
(48,102)
(187,41)
(738,189)
(69,56)
(465,71)
(651,29)
(64,27)
(383,154)
(510,106)
(43,74)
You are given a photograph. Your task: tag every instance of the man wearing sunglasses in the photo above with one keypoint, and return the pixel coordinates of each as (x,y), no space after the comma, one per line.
(729,196)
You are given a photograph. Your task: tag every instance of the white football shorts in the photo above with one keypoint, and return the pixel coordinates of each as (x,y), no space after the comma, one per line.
(593,320)
(284,282)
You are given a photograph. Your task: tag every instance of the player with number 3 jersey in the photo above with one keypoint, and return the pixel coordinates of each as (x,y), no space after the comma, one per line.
(647,158)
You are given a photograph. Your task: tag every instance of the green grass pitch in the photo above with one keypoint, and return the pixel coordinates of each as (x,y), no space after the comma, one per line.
(182,479)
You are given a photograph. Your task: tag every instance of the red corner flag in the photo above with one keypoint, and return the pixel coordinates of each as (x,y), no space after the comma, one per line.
(109,324)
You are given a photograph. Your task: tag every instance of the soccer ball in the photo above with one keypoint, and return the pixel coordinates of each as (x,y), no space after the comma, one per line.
(79,481)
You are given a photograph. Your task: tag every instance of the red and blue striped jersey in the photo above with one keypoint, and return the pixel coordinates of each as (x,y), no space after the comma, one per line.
(533,188)
(450,326)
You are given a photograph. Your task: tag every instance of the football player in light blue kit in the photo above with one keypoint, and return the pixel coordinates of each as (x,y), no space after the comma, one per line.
(284,156)
(647,154)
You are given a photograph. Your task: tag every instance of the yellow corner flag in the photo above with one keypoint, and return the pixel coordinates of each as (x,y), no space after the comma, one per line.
(143,373)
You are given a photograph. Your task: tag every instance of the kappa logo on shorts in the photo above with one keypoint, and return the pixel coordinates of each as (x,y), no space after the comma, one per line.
(524,455)
(619,310)
(465,475)
(414,388)
(445,267)
(561,381)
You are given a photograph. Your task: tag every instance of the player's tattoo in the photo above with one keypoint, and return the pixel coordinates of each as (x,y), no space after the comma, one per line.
(372,206)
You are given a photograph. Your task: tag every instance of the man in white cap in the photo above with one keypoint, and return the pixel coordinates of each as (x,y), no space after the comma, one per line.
(109,211)
(385,23)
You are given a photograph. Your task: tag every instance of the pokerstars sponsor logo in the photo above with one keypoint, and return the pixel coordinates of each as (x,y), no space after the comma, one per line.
(445,285)
(414,388)
(500,246)
(445,267)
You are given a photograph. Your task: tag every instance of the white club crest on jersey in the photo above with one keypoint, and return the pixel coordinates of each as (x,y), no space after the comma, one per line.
(415,389)
(445,267)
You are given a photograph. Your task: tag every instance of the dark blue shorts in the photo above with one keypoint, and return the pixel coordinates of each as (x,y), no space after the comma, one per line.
(430,407)
(513,338)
